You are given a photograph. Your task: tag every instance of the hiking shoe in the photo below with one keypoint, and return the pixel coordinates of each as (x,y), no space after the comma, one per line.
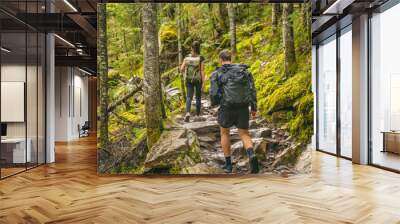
(227,168)
(254,165)
(187,117)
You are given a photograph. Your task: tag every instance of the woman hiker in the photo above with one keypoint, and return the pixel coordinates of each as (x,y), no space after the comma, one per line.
(193,68)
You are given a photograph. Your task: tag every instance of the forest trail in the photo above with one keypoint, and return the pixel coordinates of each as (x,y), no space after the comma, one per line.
(272,39)
(194,147)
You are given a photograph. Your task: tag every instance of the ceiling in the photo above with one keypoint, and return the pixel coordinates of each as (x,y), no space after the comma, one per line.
(330,15)
(73,21)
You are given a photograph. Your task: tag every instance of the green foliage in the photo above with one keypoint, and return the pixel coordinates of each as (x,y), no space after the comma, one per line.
(168,32)
(285,101)
(286,95)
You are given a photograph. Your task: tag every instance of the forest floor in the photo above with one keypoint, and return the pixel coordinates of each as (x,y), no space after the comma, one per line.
(194,147)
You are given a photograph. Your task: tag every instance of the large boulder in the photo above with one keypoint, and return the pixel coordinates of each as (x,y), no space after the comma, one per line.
(203,127)
(175,150)
(208,138)
(199,118)
(289,156)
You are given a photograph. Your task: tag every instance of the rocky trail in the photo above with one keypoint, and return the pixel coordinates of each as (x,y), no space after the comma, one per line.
(194,148)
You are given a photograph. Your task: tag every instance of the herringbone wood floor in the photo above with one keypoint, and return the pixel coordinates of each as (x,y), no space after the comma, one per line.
(69,191)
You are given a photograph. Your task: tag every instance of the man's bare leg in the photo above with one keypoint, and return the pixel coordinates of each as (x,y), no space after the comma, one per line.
(248,145)
(225,141)
(226,147)
(245,137)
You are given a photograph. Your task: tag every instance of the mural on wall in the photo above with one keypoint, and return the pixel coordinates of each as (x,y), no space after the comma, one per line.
(215,88)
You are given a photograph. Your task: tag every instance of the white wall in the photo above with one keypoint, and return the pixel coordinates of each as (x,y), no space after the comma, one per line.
(12,73)
(71,102)
(61,103)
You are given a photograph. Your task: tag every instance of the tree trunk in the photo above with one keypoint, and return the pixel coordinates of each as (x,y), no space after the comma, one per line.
(306,16)
(127,50)
(223,14)
(276,14)
(161,87)
(232,28)
(288,40)
(211,18)
(152,88)
(102,64)
(180,56)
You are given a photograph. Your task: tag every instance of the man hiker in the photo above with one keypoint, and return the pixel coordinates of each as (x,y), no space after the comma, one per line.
(232,88)
(193,68)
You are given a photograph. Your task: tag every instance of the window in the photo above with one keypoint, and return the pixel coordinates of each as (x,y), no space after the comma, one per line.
(327,95)
(22,76)
(385,88)
(346,92)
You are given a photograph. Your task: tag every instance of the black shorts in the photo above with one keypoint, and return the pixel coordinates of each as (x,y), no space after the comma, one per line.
(238,116)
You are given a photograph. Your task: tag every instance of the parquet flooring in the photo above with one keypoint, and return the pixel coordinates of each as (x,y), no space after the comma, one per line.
(70,191)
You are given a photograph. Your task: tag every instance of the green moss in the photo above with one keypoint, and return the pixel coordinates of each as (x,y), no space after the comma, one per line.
(286,95)
(175,170)
(168,32)
(281,100)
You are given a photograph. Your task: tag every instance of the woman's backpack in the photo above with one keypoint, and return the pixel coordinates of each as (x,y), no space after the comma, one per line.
(192,73)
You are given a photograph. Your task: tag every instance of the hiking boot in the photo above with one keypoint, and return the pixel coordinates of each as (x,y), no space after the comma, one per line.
(187,117)
(227,168)
(254,164)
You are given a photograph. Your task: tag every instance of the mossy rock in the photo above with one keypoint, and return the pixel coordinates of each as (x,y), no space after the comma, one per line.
(289,156)
(176,149)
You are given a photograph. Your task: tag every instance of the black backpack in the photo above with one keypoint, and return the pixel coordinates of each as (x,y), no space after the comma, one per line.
(230,86)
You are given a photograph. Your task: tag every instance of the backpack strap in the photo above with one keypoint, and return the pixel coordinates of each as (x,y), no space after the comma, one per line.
(200,68)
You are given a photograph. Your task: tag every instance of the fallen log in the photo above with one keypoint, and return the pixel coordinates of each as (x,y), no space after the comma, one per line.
(124,98)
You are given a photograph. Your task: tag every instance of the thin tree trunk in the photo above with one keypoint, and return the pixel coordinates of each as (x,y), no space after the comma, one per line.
(152,88)
(160,84)
(211,18)
(232,28)
(306,16)
(102,63)
(180,56)
(276,14)
(127,50)
(288,40)
(223,14)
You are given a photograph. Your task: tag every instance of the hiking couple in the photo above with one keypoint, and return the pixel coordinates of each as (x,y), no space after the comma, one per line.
(232,88)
